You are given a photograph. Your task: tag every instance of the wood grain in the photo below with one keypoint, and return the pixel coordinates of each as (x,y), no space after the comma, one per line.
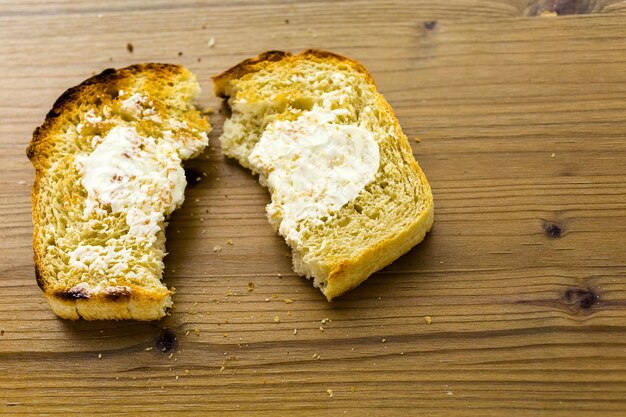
(523,138)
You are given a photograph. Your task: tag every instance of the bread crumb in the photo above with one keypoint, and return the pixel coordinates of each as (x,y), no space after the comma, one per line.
(553,155)
(148,349)
(129,47)
(250,286)
(222,368)
(217,248)
(418,140)
(99,355)
(316,356)
(225,334)
(383,340)
(428,319)
(326,320)
(21,182)
(267,299)
(211,42)
(177,377)
(321,328)
(450,393)
(352,389)
(230,242)
(330,393)
(295,331)
(548,13)
(276,319)
(279,275)
(288,300)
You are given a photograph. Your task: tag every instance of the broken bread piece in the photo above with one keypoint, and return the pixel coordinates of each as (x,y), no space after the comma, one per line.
(346,192)
(108,174)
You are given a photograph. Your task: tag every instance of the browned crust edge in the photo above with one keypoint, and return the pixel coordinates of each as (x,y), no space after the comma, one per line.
(64,302)
(267,58)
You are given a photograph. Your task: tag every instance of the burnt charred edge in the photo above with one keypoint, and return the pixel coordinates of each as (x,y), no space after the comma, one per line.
(39,278)
(72,294)
(118,294)
(109,77)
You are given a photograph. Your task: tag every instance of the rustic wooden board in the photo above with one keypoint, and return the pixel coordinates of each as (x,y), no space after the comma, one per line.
(522,121)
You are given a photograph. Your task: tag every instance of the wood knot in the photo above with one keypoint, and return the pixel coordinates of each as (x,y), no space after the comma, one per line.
(431,25)
(165,341)
(581,297)
(560,7)
(552,230)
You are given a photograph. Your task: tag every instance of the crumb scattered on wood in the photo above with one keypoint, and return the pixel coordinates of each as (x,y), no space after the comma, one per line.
(428,319)
(276,319)
(288,300)
(99,355)
(295,331)
(418,140)
(217,248)
(553,155)
(230,242)
(383,340)
(330,393)
(548,13)
(250,286)
(353,389)
(129,47)
(211,42)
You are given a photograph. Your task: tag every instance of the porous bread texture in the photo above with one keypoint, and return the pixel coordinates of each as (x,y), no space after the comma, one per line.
(119,274)
(389,216)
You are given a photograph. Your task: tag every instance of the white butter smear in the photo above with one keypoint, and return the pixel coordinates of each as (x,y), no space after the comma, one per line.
(132,174)
(313,166)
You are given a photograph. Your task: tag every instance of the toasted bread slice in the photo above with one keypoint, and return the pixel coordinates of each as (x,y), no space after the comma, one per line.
(108,174)
(347,194)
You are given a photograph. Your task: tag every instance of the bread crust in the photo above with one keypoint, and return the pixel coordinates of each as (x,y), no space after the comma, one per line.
(220,82)
(117,303)
(346,274)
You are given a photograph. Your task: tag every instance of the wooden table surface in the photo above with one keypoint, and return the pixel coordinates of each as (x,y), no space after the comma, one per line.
(521,111)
